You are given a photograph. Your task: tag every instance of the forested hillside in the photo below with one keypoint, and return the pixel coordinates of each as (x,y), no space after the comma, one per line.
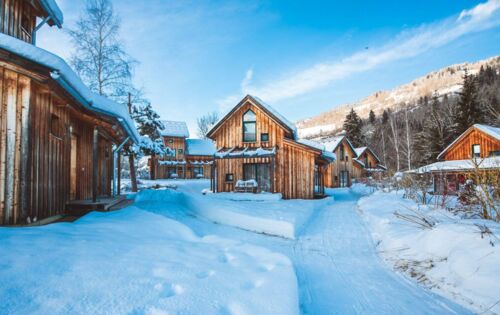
(414,133)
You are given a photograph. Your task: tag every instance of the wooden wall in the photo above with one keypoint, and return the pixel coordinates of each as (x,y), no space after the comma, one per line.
(292,167)
(230,134)
(35,150)
(176,143)
(462,150)
(332,175)
(17,18)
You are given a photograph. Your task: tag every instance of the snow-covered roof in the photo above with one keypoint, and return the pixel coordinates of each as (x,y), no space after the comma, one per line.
(200,147)
(52,9)
(266,107)
(332,143)
(246,152)
(489,130)
(69,80)
(359,151)
(317,145)
(174,129)
(460,165)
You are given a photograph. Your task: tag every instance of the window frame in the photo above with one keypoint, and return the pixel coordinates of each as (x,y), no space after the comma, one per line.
(473,153)
(229,178)
(266,134)
(246,122)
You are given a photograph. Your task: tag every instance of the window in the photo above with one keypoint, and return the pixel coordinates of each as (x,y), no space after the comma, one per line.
(55,126)
(180,151)
(249,127)
(476,150)
(170,141)
(342,153)
(495,153)
(229,177)
(198,171)
(264,137)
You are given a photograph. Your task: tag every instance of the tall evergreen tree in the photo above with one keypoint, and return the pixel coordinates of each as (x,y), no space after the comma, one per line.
(468,110)
(385,117)
(353,126)
(434,136)
(372,118)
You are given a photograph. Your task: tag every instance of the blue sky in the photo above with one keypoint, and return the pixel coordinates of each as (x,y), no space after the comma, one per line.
(302,57)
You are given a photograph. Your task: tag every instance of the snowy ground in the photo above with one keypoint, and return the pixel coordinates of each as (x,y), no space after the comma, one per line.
(453,258)
(165,255)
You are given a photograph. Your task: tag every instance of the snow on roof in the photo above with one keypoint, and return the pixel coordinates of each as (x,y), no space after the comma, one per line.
(332,143)
(489,130)
(174,129)
(360,151)
(278,115)
(62,74)
(319,146)
(200,147)
(459,165)
(53,11)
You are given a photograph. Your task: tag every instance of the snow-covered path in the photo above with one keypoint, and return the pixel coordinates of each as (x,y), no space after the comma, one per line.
(337,267)
(339,271)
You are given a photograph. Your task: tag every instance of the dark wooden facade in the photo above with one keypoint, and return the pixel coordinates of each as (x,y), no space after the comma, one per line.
(291,170)
(18,18)
(52,149)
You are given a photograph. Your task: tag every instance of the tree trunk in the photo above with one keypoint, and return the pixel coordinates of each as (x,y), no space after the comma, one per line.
(133,178)
(152,168)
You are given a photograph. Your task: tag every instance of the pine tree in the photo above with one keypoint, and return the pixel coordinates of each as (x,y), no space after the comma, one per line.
(385,117)
(372,118)
(468,110)
(353,126)
(434,135)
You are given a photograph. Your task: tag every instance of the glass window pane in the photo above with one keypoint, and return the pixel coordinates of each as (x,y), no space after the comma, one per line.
(249,116)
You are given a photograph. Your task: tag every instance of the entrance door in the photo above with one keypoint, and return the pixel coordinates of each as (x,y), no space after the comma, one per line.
(261,172)
(73,172)
(344,178)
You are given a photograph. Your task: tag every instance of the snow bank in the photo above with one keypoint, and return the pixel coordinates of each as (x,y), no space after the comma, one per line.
(261,213)
(453,258)
(361,189)
(136,262)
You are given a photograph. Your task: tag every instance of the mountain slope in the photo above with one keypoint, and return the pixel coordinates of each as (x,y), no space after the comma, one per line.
(447,80)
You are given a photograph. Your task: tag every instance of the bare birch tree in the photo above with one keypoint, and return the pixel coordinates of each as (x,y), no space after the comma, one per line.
(206,122)
(408,139)
(99,56)
(395,140)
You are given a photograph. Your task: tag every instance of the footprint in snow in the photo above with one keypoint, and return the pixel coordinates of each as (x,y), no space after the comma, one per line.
(169,290)
(205,274)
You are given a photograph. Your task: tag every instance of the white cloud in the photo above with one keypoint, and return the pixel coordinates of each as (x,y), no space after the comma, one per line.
(408,44)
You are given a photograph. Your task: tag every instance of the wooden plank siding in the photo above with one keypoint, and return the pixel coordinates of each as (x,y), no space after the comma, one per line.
(462,149)
(18,19)
(332,174)
(36,123)
(292,167)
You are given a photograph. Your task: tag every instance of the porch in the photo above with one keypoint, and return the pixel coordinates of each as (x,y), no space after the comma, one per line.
(105,203)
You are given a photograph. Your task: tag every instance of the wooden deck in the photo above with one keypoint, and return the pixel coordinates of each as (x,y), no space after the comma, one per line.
(81,207)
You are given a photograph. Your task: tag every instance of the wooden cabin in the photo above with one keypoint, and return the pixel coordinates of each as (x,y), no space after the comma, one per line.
(190,158)
(255,144)
(341,172)
(477,149)
(367,164)
(56,136)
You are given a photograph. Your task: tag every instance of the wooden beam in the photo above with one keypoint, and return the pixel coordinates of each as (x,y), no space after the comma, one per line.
(95,164)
